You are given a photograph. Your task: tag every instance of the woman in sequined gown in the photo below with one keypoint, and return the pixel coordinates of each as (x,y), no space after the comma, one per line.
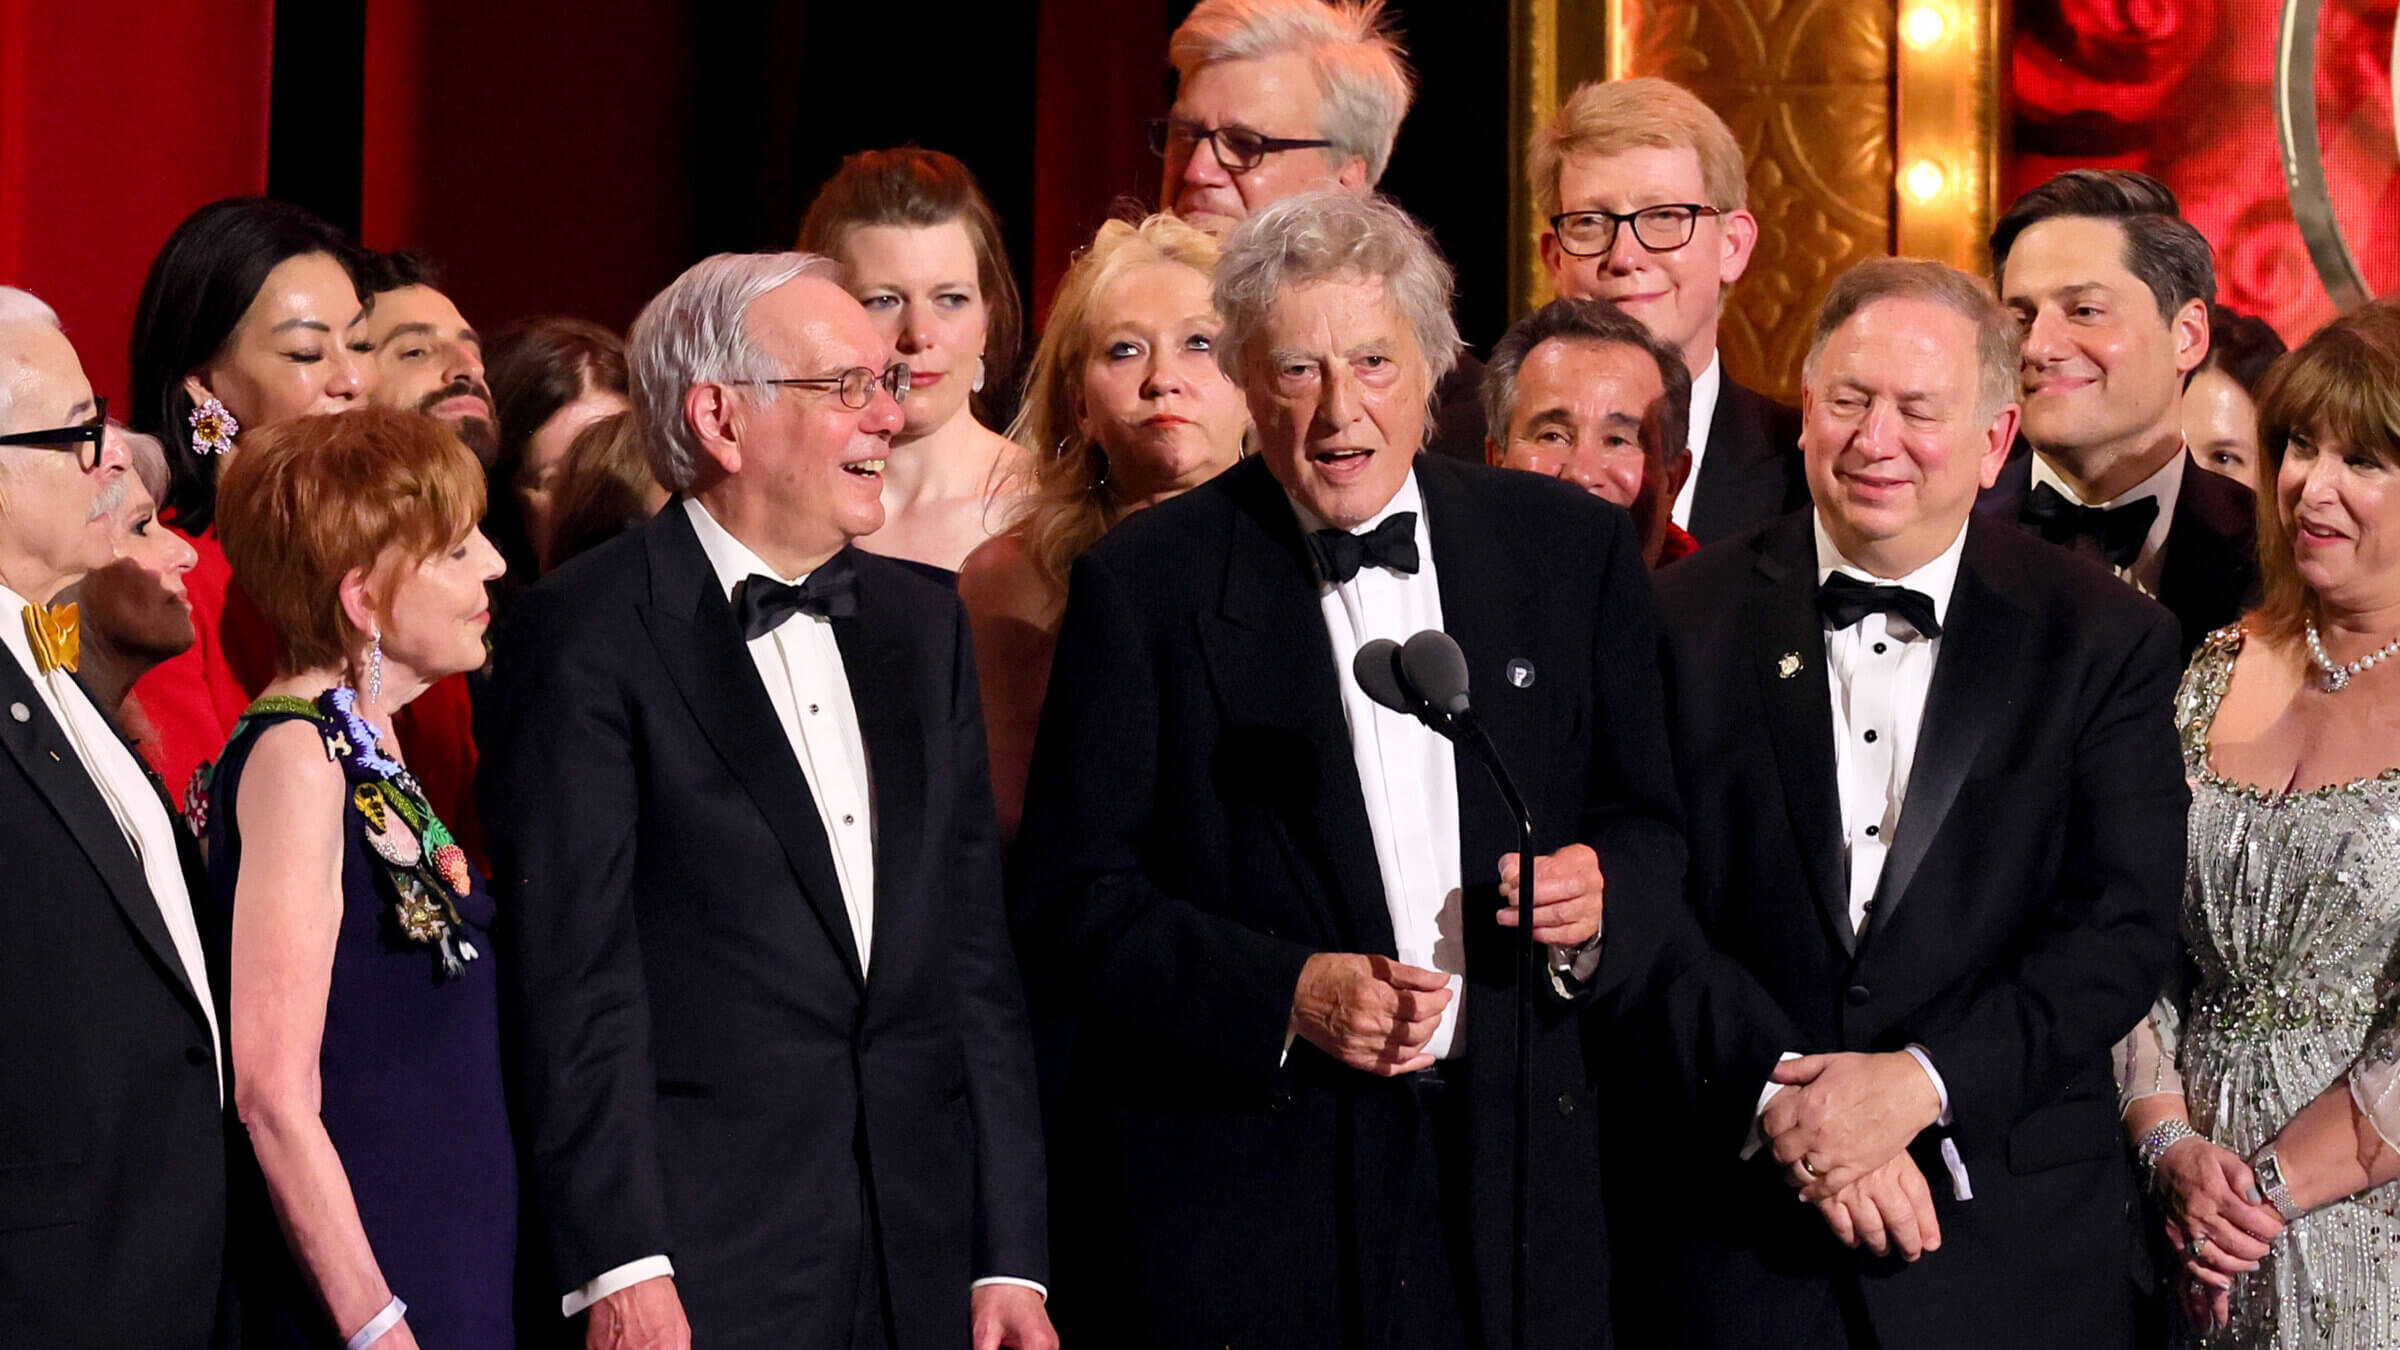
(2283,1053)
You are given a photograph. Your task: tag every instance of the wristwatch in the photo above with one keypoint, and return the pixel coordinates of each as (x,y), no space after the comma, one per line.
(2269,1169)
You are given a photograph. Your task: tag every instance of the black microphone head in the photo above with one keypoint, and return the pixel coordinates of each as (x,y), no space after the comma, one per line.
(1377,670)
(1434,666)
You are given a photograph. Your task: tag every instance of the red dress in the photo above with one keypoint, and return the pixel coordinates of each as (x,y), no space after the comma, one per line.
(192,701)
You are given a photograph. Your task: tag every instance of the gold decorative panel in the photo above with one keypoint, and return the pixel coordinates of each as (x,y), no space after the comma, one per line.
(1829,106)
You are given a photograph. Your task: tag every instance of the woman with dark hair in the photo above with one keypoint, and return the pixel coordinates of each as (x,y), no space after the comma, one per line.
(364,1008)
(550,379)
(923,253)
(2220,418)
(2265,1098)
(605,487)
(250,316)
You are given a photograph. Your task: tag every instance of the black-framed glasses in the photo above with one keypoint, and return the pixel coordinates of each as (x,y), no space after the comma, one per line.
(1661,229)
(1238,149)
(857,385)
(82,440)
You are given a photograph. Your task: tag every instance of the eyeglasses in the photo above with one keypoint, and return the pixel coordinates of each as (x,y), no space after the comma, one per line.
(1660,229)
(857,385)
(1238,149)
(82,441)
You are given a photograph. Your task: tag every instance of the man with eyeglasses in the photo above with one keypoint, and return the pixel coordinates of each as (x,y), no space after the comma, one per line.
(780,1079)
(1642,186)
(112,1101)
(1278,97)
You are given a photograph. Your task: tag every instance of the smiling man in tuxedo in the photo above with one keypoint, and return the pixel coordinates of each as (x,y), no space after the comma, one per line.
(1275,907)
(1936,814)
(779,1087)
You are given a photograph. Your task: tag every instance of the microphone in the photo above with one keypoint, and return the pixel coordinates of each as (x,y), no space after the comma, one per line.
(1432,664)
(1376,667)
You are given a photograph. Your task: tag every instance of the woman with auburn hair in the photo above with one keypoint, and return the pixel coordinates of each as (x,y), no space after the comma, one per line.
(1125,406)
(922,251)
(605,487)
(2265,1099)
(550,379)
(365,1023)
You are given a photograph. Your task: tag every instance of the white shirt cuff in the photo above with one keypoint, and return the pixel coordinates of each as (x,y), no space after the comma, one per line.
(1757,1138)
(1576,964)
(623,1277)
(1960,1187)
(1940,1088)
(1035,1286)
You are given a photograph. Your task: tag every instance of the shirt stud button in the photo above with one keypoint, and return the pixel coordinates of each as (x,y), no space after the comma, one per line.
(1880,649)
(1870,738)
(849,820)
(1874,830)
(812,708)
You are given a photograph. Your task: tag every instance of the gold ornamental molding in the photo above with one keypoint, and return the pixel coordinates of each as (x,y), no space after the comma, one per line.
(1870,129)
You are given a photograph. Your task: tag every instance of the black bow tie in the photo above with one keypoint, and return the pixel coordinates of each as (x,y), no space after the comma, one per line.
(1392,544)
(2114,534)
(830,592)
(1844,600)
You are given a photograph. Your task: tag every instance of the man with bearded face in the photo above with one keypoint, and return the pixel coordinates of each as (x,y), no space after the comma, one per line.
(428,359)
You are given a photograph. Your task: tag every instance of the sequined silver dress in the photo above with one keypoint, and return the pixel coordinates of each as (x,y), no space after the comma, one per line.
(2291,913)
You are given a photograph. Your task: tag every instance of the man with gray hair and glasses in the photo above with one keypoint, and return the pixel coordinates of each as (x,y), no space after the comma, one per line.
(779,1081)
(113,1126)
(1277,911)
(1936,811)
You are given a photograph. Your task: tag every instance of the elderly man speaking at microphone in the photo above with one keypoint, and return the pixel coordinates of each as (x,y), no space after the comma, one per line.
(1275,909)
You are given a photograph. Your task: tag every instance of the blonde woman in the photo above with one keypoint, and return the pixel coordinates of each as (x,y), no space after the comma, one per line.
(1124,407)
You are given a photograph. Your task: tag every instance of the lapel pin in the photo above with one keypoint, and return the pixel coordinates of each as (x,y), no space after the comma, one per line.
(1520,673)
(18,711)
(1788,666)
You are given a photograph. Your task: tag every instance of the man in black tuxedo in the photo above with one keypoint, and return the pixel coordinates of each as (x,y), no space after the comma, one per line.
(1644,195)
(1936,823)
(777,1073)
(1274,907)
(2111,289)
(112,1087)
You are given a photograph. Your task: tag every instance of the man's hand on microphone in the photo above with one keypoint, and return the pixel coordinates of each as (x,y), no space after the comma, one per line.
(1370,1012)
(1566,895)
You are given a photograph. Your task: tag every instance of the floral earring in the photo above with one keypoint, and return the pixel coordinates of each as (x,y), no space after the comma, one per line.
(213,427)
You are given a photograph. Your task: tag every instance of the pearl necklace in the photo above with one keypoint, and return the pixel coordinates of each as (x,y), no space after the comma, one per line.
(2338,676)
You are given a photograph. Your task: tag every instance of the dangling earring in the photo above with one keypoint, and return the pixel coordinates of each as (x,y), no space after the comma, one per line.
(978,385)
(213,428)
(375,666)
(1100,473)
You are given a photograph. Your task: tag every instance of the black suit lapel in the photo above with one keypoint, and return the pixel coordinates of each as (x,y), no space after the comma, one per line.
(1744,474)
(875,660)
(1487,608)
(1784,646)
(2210,562)
(702,648)
(1276,677)
(48,759)
(1980,650)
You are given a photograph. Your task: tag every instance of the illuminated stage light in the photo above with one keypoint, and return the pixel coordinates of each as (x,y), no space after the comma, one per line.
(1924,180)
(1923,26)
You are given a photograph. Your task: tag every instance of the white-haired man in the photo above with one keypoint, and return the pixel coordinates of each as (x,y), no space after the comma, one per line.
(112,1119)
(737,793)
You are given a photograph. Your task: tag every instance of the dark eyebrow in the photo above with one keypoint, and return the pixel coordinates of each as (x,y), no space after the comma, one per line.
(318,324)
(81,408)
(407,330)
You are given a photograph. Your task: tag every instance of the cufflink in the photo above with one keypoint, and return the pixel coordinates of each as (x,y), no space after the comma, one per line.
(1520,673)
(1788,666)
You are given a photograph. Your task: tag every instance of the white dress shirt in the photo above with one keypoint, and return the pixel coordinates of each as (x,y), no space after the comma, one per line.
(800,664)
(1406,771)
(140,816)
(1877,674)
(2166,485)
(1707,385)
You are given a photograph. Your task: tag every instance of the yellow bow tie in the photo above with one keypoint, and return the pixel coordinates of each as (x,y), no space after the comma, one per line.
(57,637)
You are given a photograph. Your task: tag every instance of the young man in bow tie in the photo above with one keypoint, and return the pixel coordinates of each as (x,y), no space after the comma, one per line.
(2110,289)
(1936,819)
(779,1081)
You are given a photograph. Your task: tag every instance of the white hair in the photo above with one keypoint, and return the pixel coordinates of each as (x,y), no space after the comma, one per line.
(18,306)
(697,331)
(1362,73)
(1322,235)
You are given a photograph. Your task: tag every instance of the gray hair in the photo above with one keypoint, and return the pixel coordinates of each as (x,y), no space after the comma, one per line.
(1598,323)
(1322,236)
(1970,297)
(697,331)
(148,457)
(1361,71)
(18,306)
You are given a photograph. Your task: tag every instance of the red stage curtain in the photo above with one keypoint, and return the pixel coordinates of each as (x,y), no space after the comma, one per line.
(1101,72)
(117,119)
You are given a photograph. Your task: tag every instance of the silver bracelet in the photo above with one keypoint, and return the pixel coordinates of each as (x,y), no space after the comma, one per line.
(377,1325)
(2156,1140)
(2269,1170)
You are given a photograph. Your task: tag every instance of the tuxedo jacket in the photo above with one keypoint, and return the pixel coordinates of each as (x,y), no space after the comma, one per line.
(1195,831)
(708,1073)
(1458,429)
(2024,921)
(1751,472)
(2209,573)
(113,1210)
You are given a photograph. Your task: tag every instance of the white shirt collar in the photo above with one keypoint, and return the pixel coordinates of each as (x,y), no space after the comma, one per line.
(1936,579)
(729,557)
(1707,384)
(1408,498)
